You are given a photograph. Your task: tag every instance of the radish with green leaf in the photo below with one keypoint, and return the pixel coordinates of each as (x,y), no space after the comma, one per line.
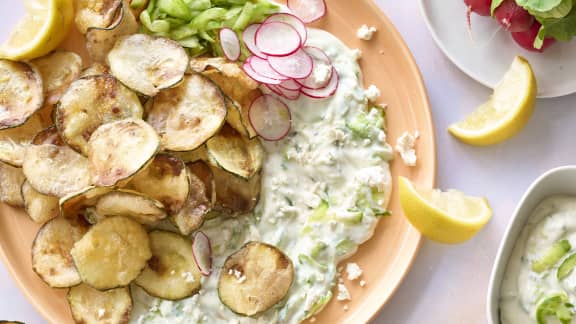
(513,17)
(526,39)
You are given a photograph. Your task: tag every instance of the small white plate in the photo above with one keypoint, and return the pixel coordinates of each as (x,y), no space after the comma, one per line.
(486,53)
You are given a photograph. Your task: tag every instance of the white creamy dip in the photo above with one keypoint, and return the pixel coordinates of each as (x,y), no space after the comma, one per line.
(523,289)
(323,191)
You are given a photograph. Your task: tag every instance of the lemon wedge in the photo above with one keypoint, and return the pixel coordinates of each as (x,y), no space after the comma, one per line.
(445,217)
(507,111)
(41,30)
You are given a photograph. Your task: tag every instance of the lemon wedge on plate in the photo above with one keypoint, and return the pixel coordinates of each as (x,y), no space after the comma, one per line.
(41,30)
(445,217)
(507,111)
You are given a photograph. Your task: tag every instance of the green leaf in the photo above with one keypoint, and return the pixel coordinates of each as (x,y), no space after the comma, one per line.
(538,5)
(495,4)
(560,11)
(562,29)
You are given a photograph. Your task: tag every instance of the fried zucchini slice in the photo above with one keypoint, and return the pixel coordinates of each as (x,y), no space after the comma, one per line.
(120,149)
(51,258)
(48,135)
(198,154)
(58,69)
(188,115)
(90,102)
(99,41)
(21,93)
(13,141)
(112,253)
(95,69)
(41,208)
(135,205)
(204,173)
(147,64)
(255,278)
(171,273)
(55,170)
(234,153)
(92,306)
(192,215)
(96,13)
(166,180)
(234,117)
(11,181)
(234,195)
(74,204)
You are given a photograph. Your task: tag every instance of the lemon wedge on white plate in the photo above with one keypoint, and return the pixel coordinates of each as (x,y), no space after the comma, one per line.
(507,111)
(445,217)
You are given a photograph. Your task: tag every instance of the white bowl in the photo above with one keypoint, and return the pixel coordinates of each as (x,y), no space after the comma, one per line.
(554,182)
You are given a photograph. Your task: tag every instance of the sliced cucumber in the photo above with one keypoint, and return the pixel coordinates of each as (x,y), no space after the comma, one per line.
(557,306)
(255,278)
(92,306)
(567,266)
(552,256)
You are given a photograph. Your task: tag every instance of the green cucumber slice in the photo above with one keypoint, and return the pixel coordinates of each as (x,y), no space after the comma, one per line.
(557,306)
(553,255)
(566,267)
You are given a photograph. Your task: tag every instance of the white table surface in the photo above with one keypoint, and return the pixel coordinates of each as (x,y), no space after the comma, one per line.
(447,284)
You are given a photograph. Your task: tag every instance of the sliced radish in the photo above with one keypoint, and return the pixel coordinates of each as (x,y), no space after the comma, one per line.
(249,38)
(275,89)
(291,20)
(202,250)
(256,76)
(270,117)
(290,84)
(308,10)
(297,66)
(262,67)
(289,94)
(325,92)
(230,44)
(322,69)
(277,39)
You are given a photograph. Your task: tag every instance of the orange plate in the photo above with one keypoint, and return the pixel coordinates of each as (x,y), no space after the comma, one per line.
(385,258)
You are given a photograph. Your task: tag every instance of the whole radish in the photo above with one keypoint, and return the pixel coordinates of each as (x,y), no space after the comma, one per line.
(513,17)
(481,7)
(526,39)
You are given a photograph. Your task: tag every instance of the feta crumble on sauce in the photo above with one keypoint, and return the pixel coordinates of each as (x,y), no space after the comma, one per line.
(324,188)
(405,146)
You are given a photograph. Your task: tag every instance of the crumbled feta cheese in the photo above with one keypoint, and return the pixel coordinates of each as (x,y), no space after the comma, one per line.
(365,32)
(375,176)
(101,313)
(366,142)
(345,308)
(321,73)
(356,53)
(238,275)
(405,147)
(382,136)
(362,283)
(312,200)
(343,293)
(372,93)
(165,308)
(353,270)
(188,276)
(312,319)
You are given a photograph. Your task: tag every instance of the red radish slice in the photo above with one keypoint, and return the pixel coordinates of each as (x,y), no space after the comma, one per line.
(290,84)
(277,39)
(297,66)
(249,38)
(325,92)
(270,117)
(256,76)
(289,94)
(202,250)
(322,69)
(308,10)
(262,67)
(291,20)
(230,44)
(275,89)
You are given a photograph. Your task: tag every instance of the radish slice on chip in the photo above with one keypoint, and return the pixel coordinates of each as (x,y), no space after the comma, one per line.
(249,38)
(291,20)
(202,250)
(256,76)
(230,44)
(325,92)
(322,69)
(270,117)
(308,10)
(290,84)
(277,39)
(262,67)
(297,66)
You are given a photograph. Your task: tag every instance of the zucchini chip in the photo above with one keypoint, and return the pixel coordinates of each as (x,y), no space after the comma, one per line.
(131,204)
(120,149)
(234,153)
(11,181)
(74,204)
(58,69)
(51,258)
(13,141)
(41,208)
(192,215)
(90,102)
(255,278)
(48,135)
(171,273)
(94,69)
(234,195)
(198,154)
(96,13)
(55,170)
(21,93)
(92,306)
(99,41)
(166,180)
(204,173)
(147,64)
(112,253)
(234,117)
(188,115)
